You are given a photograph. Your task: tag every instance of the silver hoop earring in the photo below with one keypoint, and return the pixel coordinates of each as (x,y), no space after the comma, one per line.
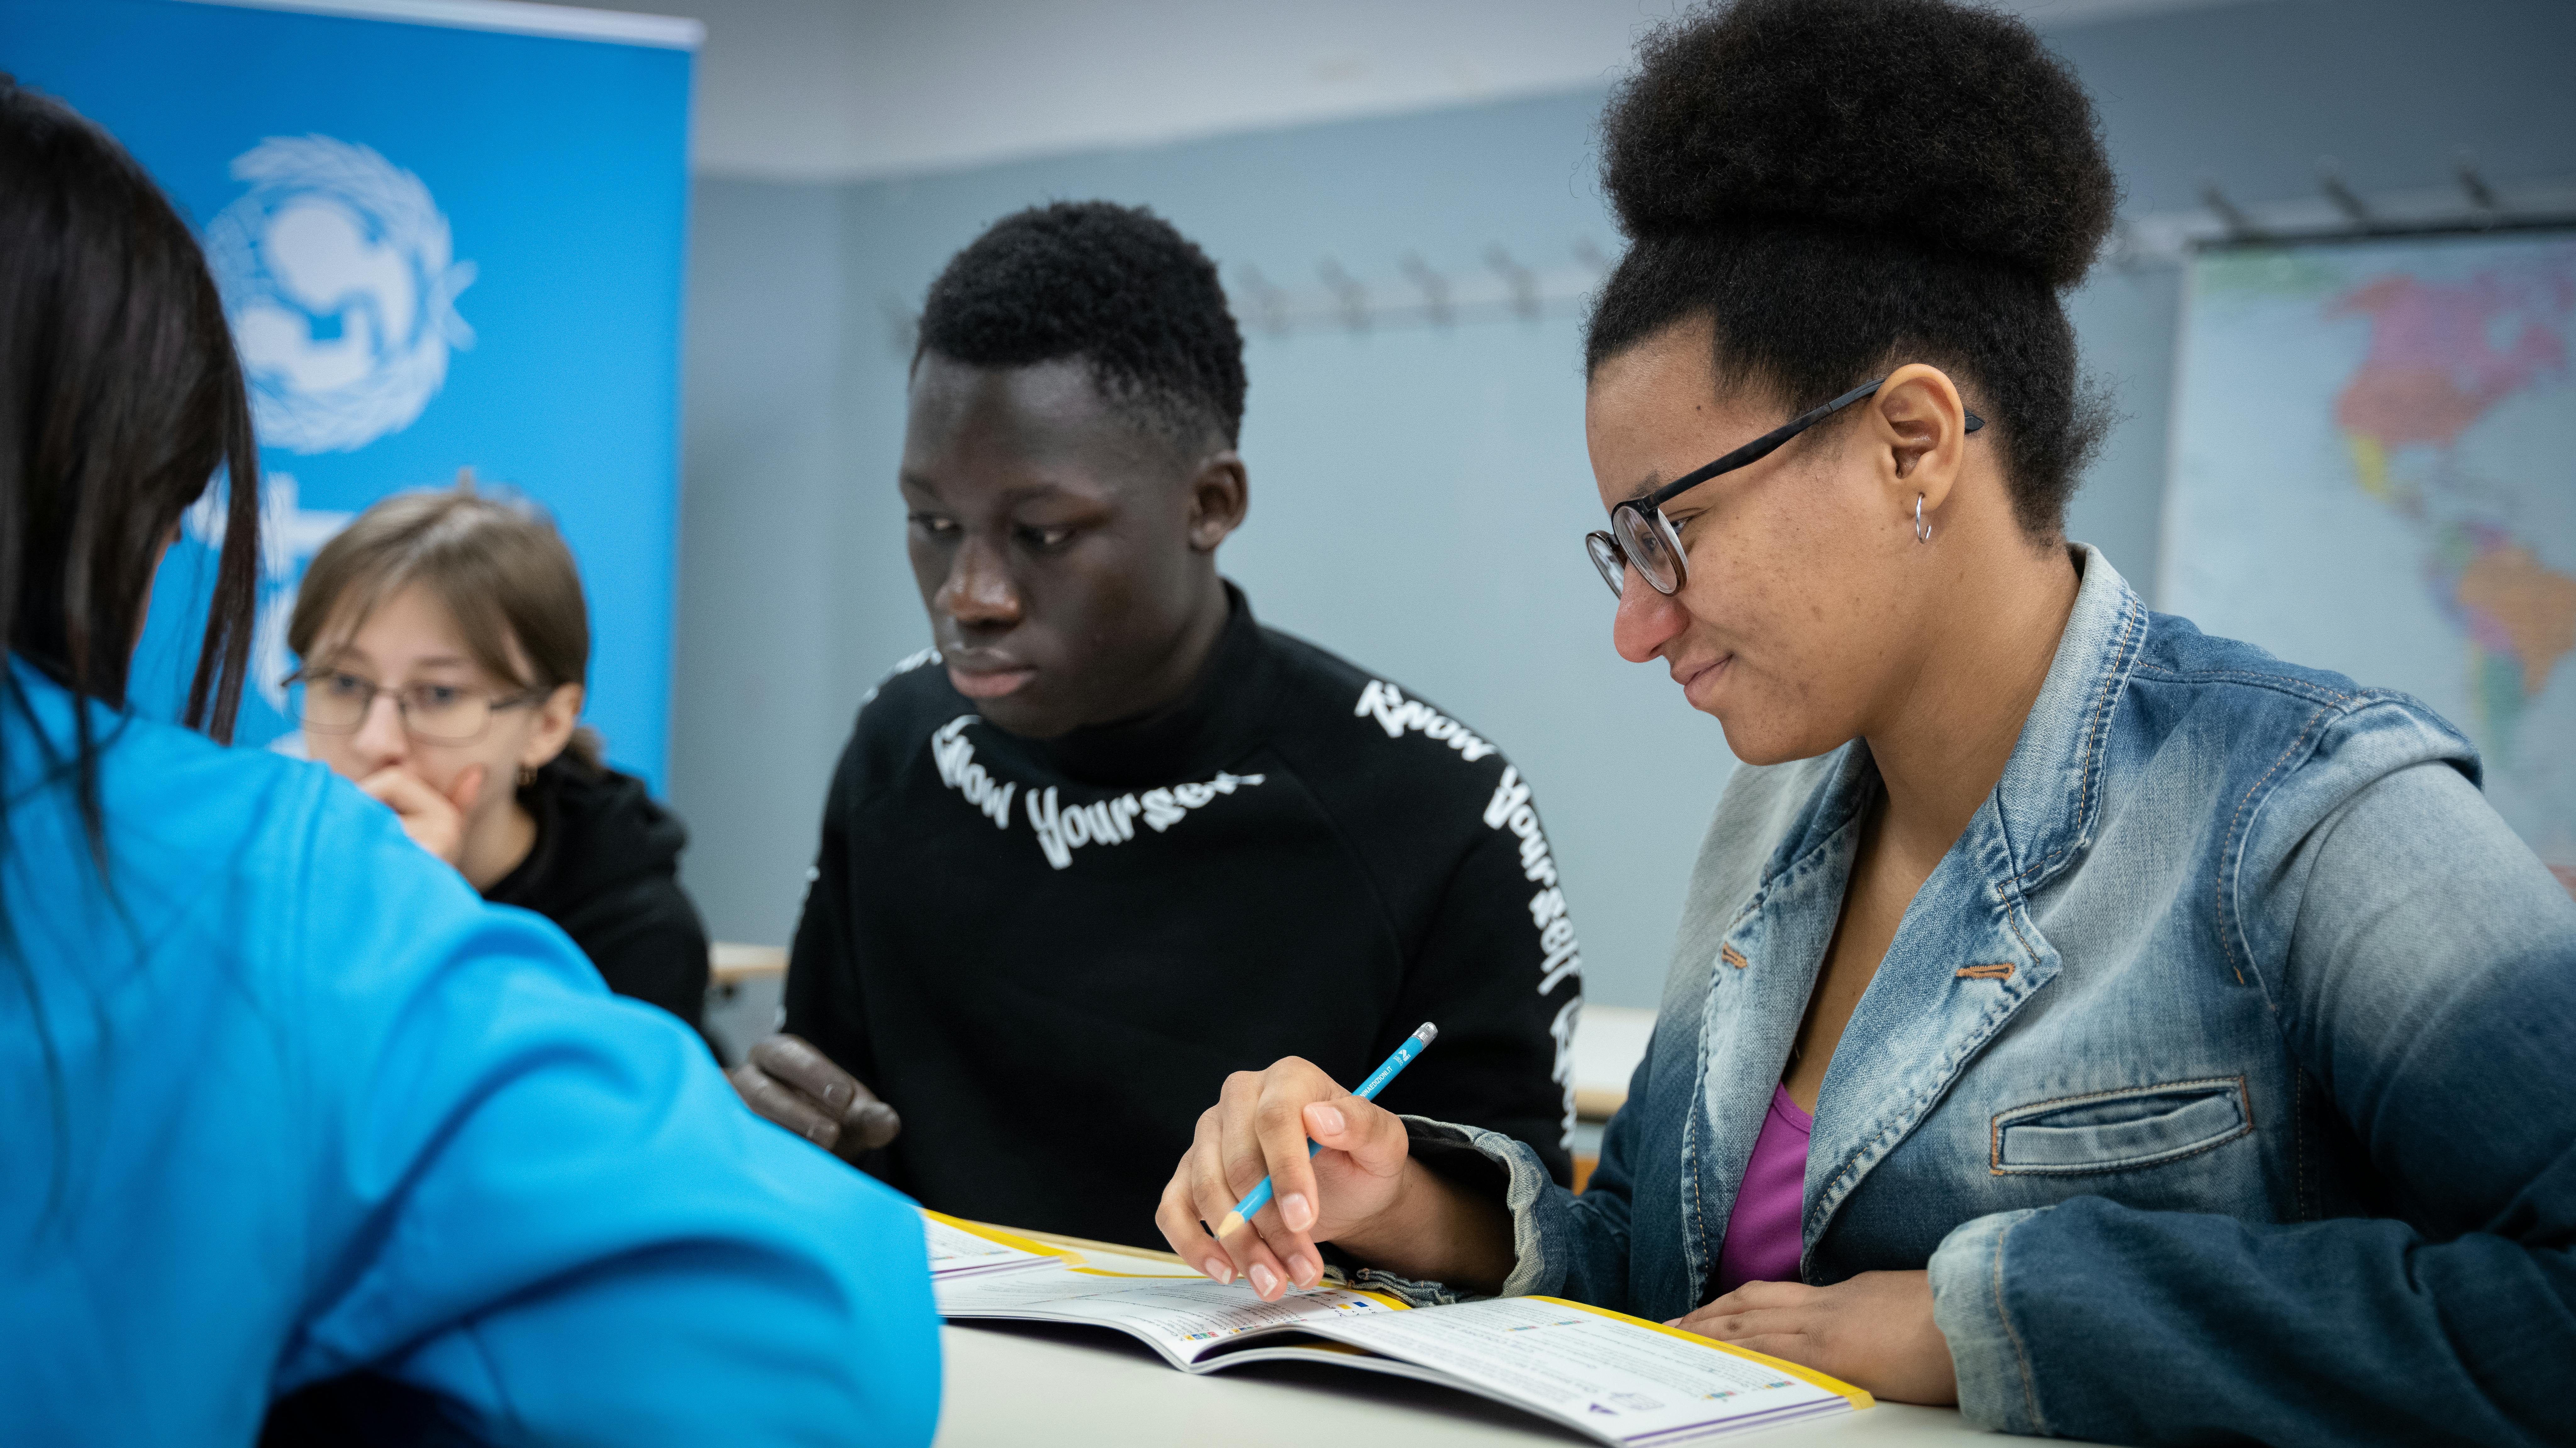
(1922,530)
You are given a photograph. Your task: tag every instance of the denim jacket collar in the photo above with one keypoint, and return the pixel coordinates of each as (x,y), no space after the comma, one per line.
(2046,806)
(1964,959)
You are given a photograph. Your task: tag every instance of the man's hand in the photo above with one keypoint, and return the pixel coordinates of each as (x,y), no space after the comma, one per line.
(791,1083)
(434,818)
(1873,1331)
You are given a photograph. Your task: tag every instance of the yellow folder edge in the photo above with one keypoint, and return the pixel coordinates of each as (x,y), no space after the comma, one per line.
(1007,1239)
(1858,1397)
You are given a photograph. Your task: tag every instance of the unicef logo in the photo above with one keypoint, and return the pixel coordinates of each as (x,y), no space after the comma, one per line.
(336,270)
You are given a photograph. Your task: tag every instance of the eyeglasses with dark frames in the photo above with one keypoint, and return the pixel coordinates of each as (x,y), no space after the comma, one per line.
(1641,537)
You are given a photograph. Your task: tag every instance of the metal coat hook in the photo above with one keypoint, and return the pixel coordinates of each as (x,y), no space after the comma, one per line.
(1435,288)
(2463,200)
(1417,294)
(2125,248)
(1522,282)
(2482,197)
(902,324)
(2239,226)
(1346,288)
(1268,300)
(2330,181)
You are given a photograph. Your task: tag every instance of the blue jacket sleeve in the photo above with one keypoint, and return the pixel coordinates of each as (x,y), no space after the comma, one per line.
(2422,966)
(545,1203)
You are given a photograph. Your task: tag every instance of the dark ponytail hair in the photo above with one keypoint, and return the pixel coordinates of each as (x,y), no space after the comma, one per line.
(1844,186)
(120,395)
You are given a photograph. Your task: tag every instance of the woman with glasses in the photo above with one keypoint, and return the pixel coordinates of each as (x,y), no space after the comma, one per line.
(2118,1031)
(298,1131)
(445,646)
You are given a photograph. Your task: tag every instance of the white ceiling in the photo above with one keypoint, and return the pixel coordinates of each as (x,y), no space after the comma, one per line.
(841,89)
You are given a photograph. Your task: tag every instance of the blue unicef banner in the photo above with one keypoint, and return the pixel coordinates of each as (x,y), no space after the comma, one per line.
(443,246)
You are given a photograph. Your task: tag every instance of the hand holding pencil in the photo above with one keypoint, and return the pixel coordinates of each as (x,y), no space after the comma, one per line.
(1257,1198)
(1336,1161)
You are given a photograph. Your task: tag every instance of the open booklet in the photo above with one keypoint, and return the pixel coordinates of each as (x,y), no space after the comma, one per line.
(1615,1378)
(959,1248)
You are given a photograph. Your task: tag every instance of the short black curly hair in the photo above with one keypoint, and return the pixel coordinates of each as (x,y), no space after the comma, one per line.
(1843,186)
(1113,285)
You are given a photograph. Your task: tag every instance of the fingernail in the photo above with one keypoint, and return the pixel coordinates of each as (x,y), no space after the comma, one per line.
(1327,1119)
(1297,1211)
(834,1096)
(1304,1270)
(1264,1281)
(1221,1270)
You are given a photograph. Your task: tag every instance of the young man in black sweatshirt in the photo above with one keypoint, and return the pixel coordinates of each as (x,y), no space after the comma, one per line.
(1110,839)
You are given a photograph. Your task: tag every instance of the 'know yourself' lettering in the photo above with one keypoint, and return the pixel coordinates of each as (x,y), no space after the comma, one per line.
(1510,808)
(1063,829)
(954,754)
(1395,714)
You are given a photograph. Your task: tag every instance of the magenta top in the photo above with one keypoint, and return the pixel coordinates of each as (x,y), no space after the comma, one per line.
(1763,1240)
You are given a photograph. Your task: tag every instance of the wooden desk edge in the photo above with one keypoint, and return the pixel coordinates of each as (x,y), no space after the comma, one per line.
(730,964)
(1599,1103)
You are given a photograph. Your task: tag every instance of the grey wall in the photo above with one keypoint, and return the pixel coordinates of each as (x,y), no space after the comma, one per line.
(766,508)
(1418,493)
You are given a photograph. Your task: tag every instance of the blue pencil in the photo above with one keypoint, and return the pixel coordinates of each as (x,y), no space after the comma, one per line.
(1259,1197)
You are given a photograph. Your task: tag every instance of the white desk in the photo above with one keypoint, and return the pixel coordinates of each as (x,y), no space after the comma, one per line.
(1069,1387)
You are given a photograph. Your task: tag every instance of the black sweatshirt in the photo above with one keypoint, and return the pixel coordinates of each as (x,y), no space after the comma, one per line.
(1047,955)
(605,867)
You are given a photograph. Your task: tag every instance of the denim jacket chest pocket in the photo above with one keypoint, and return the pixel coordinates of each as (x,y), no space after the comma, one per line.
(2120,1130)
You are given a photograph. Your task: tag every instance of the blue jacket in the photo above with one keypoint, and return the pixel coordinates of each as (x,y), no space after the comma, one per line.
(2223,1074)
(283,1098)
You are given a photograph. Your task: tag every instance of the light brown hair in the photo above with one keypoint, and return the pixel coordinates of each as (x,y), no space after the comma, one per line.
(498,565)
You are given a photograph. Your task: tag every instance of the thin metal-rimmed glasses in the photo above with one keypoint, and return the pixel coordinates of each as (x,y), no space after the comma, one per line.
(1641,537)
(338,703)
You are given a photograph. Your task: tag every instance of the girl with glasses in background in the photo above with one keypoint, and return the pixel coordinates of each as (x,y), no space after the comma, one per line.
(445,650)
(2114,1030)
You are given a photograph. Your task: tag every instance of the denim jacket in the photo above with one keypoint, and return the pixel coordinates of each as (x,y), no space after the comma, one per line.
(2223,1074)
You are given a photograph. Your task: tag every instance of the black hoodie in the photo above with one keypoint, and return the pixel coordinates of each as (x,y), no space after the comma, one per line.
(605,867)
(1047,954)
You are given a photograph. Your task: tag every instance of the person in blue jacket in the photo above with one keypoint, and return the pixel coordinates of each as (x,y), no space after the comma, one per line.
(284,1102)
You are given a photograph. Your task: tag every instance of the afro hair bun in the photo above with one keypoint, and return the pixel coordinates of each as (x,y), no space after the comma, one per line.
(1941,122)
